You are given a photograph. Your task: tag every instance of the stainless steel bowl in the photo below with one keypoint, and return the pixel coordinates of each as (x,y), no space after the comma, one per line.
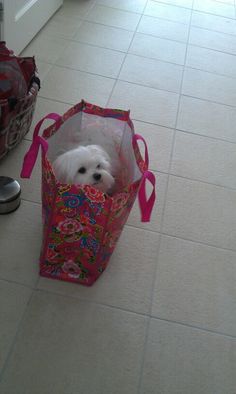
(10,192)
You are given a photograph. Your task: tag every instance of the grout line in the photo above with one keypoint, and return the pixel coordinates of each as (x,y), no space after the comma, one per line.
(213,49)
(194,327)
(212,73)
(162,217)
(72,40)
(31,201)
(83,19)
(192,9)
(226,188)
(198,242)
(214,31)
(169,4)
(56,100)
(11,348)
(143,56)
(14,282)
(182,238)
(174,133)
(98,46)
(121,9)
(209,101)
(127,310)
(121,66)
(116,79)
(161,226)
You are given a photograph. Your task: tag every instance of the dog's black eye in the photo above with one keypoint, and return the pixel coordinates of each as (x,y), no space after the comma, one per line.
(99,166)
(82,170)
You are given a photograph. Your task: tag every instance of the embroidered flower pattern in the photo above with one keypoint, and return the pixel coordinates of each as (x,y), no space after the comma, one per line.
(72,269)
(93,194)
(69,226)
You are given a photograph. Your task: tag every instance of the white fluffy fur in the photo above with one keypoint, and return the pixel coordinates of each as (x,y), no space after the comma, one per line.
(94,162)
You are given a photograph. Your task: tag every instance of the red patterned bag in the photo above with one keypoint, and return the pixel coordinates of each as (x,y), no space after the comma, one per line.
(81,224)
(19,85)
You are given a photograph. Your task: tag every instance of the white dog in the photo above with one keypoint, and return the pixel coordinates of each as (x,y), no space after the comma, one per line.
(85,165)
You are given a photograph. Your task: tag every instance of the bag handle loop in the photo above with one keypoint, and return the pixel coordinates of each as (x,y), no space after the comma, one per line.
(137,138)
(145,205)
(32,154)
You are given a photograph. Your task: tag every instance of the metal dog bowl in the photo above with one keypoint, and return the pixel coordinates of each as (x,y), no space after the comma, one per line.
(9,194)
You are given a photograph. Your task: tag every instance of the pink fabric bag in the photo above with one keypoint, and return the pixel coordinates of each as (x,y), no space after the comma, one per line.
(81,224)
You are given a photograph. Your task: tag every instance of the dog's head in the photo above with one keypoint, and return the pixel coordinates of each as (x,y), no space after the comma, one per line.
(85,165)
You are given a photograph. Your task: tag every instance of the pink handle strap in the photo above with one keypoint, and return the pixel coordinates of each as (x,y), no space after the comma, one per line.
(32,154)
(146,205)
(137,138)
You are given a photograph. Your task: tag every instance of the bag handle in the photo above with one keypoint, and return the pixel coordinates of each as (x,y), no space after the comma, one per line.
(4,50)
(146,205)
(137,138)
(32,154)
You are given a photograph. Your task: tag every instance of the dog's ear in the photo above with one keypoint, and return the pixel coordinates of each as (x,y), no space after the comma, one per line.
(61,168)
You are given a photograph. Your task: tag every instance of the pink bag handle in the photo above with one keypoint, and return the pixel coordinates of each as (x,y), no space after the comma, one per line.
(32,154)
(146,205)
(138,137)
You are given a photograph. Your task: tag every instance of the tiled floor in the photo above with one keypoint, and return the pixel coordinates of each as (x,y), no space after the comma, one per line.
(162,318)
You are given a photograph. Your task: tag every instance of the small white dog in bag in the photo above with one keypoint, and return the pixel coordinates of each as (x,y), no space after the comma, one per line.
(85,165)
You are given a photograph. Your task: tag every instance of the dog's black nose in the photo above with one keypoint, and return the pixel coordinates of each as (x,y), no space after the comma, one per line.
(97,177)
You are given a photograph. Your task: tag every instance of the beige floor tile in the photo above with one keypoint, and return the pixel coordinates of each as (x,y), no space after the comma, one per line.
(153,73)
(216,120)
(212,61)
(104,36)
(159,141)
(62,340)
(158,48)
(178,3)
(225,1)
(209,86)
(43,69)
(20,244)
(11,166)
(43,108)
(155,222)
(62,26)
(127,5)
(195,284)
(214,7)
(127,281)
(166,11)
(163,28)
(204,159)
(45,48)
(213,40)
(76,9)
(146,104)
(114,17)
(200,212)
(185,360)
(70,86)
(213,22)
(82,57)
(13,301)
